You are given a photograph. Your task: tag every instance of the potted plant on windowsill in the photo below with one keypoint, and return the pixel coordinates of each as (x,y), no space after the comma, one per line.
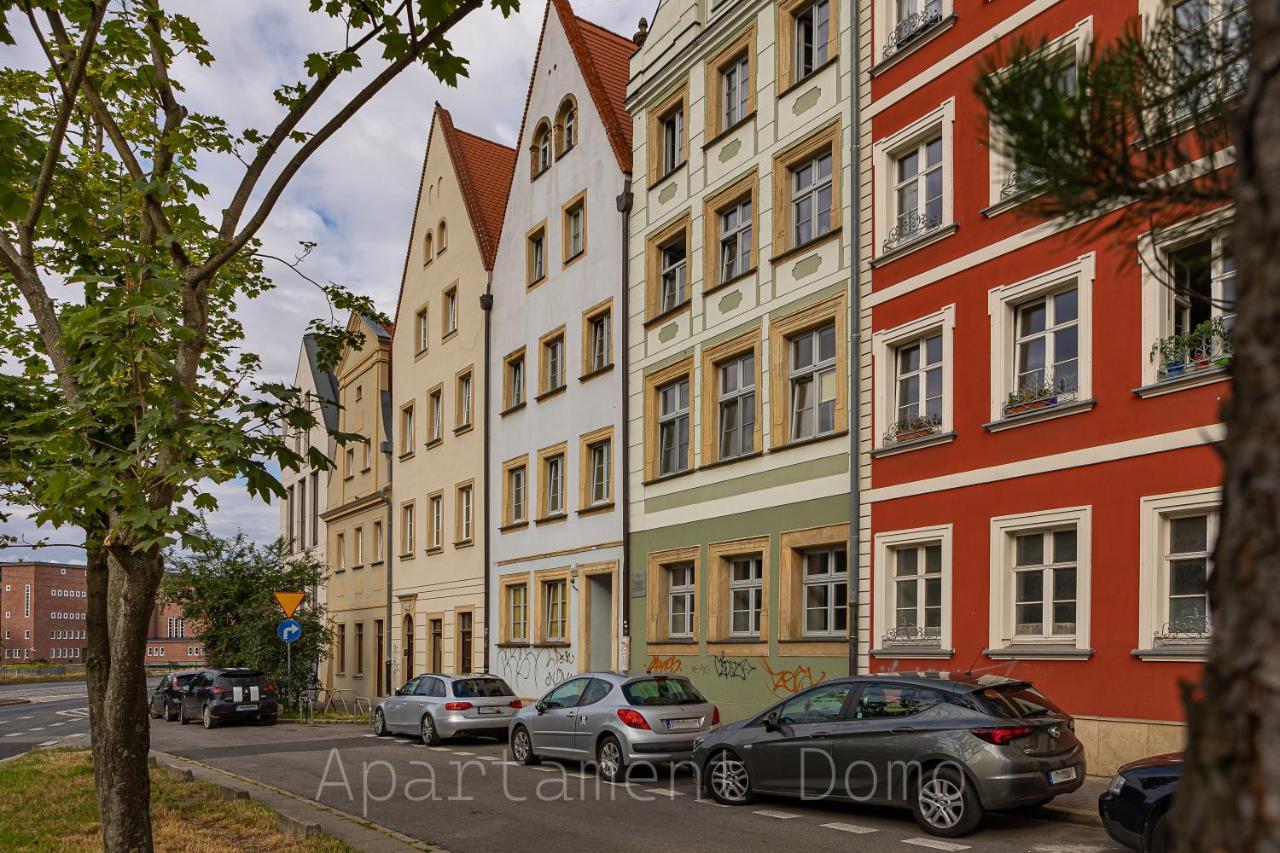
(1172,352)
(1209,345)
(916,426)
(1030,398)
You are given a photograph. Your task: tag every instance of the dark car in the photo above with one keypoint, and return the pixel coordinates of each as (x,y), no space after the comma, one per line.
(167,696)
(948,745)
(217,695)
(1135,807)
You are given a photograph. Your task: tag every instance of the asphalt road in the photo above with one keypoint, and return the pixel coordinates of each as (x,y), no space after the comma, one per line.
(466,796)
(50,715)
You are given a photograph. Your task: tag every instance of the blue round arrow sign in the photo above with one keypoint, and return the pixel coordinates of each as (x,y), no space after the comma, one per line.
(289,630)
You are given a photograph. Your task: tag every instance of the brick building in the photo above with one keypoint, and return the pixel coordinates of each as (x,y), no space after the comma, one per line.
(171,638)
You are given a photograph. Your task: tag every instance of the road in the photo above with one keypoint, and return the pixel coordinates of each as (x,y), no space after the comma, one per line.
(466,796)
(53,711)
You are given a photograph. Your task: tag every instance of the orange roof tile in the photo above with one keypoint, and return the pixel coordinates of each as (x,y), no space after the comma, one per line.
(605,59)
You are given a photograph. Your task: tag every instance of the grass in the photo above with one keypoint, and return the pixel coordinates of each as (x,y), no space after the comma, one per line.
(186,816)
(333,715)
(13,674)
(37,679)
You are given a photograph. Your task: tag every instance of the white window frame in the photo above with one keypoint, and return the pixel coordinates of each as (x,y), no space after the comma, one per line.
(754,586)
(574,220)
(408,512)
(686,591)
(1002,304)
(813,373)
(884,355)
(518,494)
(601,328)
(885,153)
(674,273)
(517,614)
(883,605)
(674,128)
(600,458)
(885,19)
(553,468)
(560,618)
(744,400)
(736,240)
(435,506)
(451,310)
(832,580)
(670,420)
(735,89)
(1002,641)
(819,45)
(1152,584)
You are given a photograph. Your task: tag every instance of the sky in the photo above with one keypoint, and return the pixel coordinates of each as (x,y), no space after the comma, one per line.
(355,197)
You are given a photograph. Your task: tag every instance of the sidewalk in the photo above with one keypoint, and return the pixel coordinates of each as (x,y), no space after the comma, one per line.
(1080,806)
(299,816)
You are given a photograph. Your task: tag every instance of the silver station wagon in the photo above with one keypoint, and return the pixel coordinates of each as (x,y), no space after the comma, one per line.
(436,707)
(614,720)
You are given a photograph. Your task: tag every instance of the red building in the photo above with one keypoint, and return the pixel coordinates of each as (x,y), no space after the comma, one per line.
(171,638)
(1044,493)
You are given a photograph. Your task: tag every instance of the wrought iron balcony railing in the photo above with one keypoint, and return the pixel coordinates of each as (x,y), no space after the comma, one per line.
(909,429)
(911,226)
(1183,634)
(1041,392)
(913,635)
(909,28)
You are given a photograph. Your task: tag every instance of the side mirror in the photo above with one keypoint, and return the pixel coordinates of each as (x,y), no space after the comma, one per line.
(541,707)
(771,723)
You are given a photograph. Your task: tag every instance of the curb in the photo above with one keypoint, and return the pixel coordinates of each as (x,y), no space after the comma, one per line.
(282,721)
(5,702)
(1066,815)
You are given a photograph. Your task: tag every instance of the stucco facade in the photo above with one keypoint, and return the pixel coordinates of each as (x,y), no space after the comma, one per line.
(356,518)
(740,348)
(556,392)
(438,359)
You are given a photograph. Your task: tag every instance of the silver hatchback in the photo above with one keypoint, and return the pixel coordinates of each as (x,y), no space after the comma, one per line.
(436,707)
(614,720)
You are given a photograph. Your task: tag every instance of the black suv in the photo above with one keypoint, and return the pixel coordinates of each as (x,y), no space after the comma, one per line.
(218,695)
(167,697)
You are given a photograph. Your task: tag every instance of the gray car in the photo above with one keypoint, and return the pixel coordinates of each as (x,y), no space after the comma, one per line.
(949,745)
(614,720)
(436,707)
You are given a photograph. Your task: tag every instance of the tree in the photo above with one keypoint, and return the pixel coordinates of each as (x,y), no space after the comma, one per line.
(226,588)
(1166,120)
(119,284)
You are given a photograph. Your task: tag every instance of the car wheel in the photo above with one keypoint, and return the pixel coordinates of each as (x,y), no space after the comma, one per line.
(1161,835)
(945,804)
(430,737)
(182,717)
(206,718)
(728,779)
(379,724)
(522,747)
(170,713)
(151,711)
(610,762)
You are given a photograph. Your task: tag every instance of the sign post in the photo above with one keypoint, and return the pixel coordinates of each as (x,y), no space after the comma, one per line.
(289,630)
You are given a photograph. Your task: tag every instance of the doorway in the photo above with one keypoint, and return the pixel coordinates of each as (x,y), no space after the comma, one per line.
(600,621)
(465,648)
(437,645)
(408,647)
(379,656)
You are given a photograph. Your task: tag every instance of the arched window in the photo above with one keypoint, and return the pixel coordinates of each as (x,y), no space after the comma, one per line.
(541,149)
(427,254)
(442,238)
(566,125)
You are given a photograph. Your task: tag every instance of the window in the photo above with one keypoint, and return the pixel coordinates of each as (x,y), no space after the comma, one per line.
(466,641)
(1018,182)
(826,592)
(917,593)
(427,253)
(517,612)
(450,311)
(575,228)
(666,269)
(551,461)
(435,533)
(340,551)
(407,518)
(680,600)
(673,140)
(513,381)
(597,338)
(811,199)
(668,140)
(566,126)
(540,150)
(807,176)
(1203,33)
(378,541)
(595,454)
(731,84)
(435,406)
(1040,579)
(1188,561)
(406,430)
(442,238)
(820,705)
(359,648)
(913,380)
(1179,534)
(812,37)
(350,454)
(730,217)
(917,190)
(736,405)
(555,610)
(463,405)
(515,491)
(536,255)
(357,547)
(552,346)
(674,272)
(673,427)
(812,368)
(917,389)
(911,18)
(746,584)
(913,174)
(359,393)
(735,81)
(465,511)
(421,329)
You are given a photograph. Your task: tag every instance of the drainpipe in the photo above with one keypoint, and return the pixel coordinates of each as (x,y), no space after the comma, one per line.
(625,201)
(388,556)
(855,348)
(486,305)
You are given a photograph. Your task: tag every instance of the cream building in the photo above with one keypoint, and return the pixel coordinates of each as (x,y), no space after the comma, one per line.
(438,360)
(356,519)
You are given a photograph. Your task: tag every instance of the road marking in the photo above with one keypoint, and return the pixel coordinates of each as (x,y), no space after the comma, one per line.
(13,734)
(36,729)
(934,844)
(460,752)
(27,717)
(711,802)
(55,725)
(543,769)
(369,735)
(777,815)
(491,758)
(849,827)
(46,743)
(666,792)
(439,749)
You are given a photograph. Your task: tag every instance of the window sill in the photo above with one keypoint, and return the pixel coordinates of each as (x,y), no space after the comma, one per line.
(408,454)
(787,254)
(540,173)
(420,354)
(338,570)
(1038,652)
(357,566)
(914,444)
(1174,653)
(658,319)
(532,284)
(406,556)
(463,543)
(1186,380)
(348,478)
(1019,198)
(940,233)
(448,336)
(917,40)
(729,282)
(439,549)
(801,442)
(912,652)
(755,454)
(549,393)
(568,262)
(673,641)
(554,518)
(551,644)
(365,470)
(662,478)
(513,645)
(599,371)
(1046,414)
(435,442)
(511,409)
(596,509)
(461,430)
(664,177)
(375,563)
(722,135)
(796,84)
(515,525)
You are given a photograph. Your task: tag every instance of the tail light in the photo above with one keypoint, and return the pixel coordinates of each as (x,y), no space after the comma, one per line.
(268,688)
(458,706)
(715,716)
(515,703)
(1002,736)
(215,692)
(633,719)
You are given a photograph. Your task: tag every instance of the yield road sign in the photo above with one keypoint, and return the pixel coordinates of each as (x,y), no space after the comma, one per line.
(289,630)
(289,602)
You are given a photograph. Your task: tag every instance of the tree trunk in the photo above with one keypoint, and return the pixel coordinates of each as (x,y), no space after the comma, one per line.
(121,596)
(1230,798)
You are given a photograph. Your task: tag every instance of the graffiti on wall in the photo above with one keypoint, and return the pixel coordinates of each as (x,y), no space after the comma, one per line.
(793,680)
(537,666)
(739,668)
(668,664)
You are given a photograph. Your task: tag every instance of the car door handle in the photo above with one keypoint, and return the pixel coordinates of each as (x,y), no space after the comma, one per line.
(572,714)
(817,735)
(903,730)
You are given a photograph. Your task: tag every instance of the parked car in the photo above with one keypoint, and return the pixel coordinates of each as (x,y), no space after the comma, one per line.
(215,696)
(167,696)
(1135,807)
(436,707)
(614,720)
(951,746)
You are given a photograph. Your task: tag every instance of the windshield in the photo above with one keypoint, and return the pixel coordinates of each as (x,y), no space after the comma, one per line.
(480,688)
(1018,700)
(661,691)
(241,678)
(183,680)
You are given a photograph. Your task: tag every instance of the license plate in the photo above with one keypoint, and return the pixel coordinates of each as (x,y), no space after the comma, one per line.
(247,708)
(683,725)
(488,710)
(1066,774)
